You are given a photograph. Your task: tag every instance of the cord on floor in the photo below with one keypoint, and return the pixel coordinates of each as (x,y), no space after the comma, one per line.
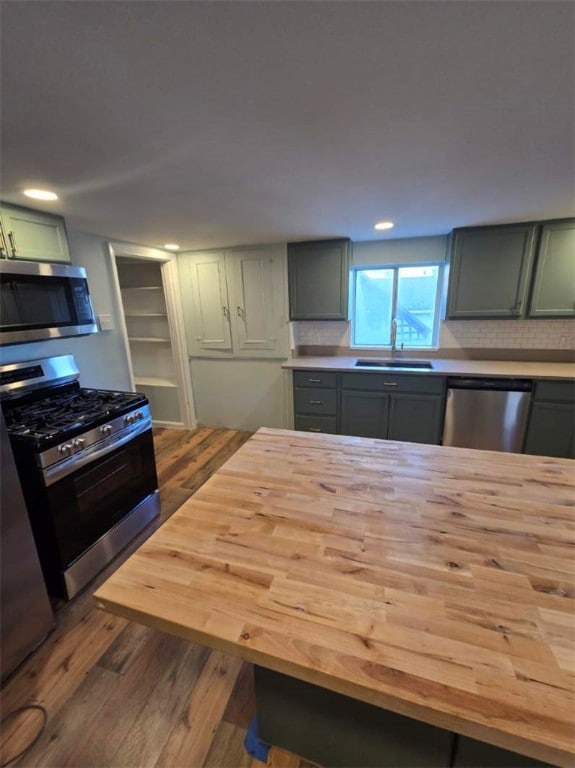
(26,749)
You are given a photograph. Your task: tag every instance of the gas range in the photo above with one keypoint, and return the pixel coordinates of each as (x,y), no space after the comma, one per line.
(86,463)
(48,413)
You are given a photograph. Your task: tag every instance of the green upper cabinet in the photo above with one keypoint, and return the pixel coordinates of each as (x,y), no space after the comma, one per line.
(318,279)
(490,270)
(33,235)
(553,293)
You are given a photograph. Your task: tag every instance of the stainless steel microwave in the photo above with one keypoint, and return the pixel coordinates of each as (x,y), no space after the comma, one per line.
(43,301)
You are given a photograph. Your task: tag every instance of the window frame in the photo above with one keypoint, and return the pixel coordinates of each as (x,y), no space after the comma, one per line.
(439,300)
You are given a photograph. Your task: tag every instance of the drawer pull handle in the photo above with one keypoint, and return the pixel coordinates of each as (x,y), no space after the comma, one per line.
(315,381)
(315,402)
(314,429)
(390,383)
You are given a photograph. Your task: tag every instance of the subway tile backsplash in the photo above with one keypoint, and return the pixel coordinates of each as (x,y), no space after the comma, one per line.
(508,334)
(457,334)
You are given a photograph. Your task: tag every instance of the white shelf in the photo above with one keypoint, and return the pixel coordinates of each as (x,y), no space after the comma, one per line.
(146,314)
(142,288)
(153,381)
(152,339)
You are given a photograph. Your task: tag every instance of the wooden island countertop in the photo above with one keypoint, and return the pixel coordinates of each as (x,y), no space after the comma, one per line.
(434,582)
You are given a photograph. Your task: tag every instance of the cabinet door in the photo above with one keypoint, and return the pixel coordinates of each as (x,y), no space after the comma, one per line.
(211,312)
(489,271)
(34,235)
(318,278)
(554,284)
(551,430)
(5,252)
(415,418)
(364,414)
(253,299)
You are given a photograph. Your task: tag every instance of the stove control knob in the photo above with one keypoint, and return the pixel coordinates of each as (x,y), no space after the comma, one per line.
(106,429)
(79,443)
(65,448)
(129,419)
(139,415)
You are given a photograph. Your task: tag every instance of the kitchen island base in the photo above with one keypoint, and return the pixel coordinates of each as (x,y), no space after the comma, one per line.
(336,731)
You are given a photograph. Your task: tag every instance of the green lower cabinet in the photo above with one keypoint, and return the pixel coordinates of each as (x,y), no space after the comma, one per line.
(414,414)
(364,414)
(551,425)
(415,418)
(333,730)
(551,430)
(470,753)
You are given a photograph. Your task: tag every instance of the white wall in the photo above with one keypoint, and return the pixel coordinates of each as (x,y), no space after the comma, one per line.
(241,394)
(100,357)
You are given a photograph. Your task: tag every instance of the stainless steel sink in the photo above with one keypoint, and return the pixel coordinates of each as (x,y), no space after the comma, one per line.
(404,365)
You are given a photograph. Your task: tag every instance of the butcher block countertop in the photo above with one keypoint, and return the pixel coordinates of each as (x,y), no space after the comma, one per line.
(434,582)
(441,367)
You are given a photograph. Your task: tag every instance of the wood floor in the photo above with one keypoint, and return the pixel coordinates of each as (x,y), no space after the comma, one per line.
(118,694)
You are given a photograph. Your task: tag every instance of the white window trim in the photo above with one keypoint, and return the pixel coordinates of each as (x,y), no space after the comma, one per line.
(439,302)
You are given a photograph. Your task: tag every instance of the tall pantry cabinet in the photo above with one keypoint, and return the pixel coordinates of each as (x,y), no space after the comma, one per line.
(235,309)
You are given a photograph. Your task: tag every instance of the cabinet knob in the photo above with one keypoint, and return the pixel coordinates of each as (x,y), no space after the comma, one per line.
(226,312)
(241,312)
(315,402)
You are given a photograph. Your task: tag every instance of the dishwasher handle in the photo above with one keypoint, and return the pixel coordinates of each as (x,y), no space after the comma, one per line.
(497,385)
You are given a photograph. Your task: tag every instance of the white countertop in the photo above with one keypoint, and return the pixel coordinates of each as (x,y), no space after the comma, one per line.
(441,367)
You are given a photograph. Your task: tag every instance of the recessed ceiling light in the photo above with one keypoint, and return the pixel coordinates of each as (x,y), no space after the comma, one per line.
(172,247)
(40,194)
(384,225)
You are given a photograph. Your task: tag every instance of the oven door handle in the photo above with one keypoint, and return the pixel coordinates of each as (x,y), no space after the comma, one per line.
(58,471)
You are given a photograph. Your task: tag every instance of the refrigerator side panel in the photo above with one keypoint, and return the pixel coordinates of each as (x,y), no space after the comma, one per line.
(25,613)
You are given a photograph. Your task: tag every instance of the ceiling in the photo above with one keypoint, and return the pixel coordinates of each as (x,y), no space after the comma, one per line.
(222,123)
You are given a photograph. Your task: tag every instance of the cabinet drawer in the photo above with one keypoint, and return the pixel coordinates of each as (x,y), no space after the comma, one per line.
(314,379)
(393,382)
(555,391)
(322,401)
(324,424)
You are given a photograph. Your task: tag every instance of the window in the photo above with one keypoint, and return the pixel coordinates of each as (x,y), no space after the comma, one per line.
(410,294)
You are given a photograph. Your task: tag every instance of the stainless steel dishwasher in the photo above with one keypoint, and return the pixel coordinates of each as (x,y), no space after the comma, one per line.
(486,413)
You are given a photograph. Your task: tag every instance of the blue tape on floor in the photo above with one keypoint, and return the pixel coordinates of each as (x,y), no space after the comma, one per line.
(252,743)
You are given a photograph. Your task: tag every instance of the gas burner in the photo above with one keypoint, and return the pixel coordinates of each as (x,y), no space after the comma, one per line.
(56,414)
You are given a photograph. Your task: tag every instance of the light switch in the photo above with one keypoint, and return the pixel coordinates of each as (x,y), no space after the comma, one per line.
(106,322)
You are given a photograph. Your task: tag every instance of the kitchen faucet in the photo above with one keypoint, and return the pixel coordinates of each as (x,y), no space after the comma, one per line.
(393,337)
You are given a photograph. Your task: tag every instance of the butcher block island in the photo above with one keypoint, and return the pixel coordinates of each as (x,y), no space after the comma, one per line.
(431,582)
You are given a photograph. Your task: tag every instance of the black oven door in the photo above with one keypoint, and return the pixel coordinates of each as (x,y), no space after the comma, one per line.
(88,503)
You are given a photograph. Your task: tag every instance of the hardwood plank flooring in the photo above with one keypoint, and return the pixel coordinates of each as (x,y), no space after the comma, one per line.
(119,694)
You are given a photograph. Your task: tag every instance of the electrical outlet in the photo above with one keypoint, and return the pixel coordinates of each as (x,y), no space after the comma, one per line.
(106,322)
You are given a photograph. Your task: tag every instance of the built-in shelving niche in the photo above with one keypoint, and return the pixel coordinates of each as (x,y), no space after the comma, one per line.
(149,337)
